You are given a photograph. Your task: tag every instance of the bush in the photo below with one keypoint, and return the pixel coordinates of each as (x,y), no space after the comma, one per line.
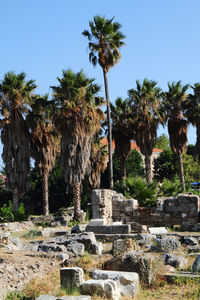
(170,188)
(136,187)
(7,214)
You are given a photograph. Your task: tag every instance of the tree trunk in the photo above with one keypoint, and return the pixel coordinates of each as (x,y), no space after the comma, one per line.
(198,142)
(109,131)
(122,168)
(15,196)
(148,168)
(181,171)
(45,194)
(77,201)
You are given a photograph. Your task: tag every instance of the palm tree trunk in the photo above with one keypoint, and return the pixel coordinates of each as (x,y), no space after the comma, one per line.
(198,142)
(77,201)
(15,197)
(148,168)
(45,194)
(123,168)
(181,171)
(109,130)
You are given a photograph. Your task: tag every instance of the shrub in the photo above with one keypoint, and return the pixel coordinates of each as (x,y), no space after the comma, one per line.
(170,188)
(7,214)
(136,187)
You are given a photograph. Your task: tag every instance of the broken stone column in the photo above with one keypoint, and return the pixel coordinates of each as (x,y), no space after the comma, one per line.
(102,204)
(71,278)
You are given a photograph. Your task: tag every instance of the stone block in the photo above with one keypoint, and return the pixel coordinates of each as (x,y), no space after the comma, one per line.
(121,246)
(71,278)
(97,248)
(101,288)
(145,265)
(110,229)
(157,230)
(97,222)
(127,282)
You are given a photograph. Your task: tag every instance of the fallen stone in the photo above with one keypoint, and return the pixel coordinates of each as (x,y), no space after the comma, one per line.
(175,261)
(52,247)
(121,246)
(136,227)
(71,278)
(127,282)
(165,245)
(143,264)
(186,240)
(157,230)
(97,222)
(97,248)
(76,248)
(106,288)
(110,229)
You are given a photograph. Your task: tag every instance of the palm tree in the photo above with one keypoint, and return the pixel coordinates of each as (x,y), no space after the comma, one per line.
(177,125)
(78,119)
(15,94)
(105,39)
(45,142)
(192,112)
(146,115)
(121,131)
(98,162)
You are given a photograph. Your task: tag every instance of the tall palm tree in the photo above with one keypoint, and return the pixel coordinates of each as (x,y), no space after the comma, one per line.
(105,39)
(121,131)
(15,94)
(98,162)
(45,142)
(177,125)
(78,119)
(146,115)
(192,112)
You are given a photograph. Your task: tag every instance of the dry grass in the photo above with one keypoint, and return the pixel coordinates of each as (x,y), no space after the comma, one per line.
(49,284)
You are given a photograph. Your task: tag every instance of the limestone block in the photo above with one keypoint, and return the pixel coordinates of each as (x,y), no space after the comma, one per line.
(110,229)
(106,288)
(121,246)
(97,222)
(127,282)
(97,248)
(145,265)
(76,248)
(175,261)
(157,230)
(71,278)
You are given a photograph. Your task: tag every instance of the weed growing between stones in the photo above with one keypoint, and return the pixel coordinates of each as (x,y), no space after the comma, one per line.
(31,234)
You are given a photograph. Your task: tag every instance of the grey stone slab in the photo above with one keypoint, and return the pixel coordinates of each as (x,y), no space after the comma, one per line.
(102,288)
(157,230)
(110,229)
(97,222)
(127,282)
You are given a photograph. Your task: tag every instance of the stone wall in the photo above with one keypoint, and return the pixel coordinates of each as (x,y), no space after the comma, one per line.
(170,211)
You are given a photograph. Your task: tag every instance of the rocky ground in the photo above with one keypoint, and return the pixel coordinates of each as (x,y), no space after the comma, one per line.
(34,252)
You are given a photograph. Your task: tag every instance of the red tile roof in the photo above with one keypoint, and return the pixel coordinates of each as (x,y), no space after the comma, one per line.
(133,146)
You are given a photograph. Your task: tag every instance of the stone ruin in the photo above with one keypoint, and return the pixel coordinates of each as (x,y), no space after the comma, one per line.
(113,213)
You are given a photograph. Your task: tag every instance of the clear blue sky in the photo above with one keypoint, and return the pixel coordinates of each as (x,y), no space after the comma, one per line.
(42,37)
